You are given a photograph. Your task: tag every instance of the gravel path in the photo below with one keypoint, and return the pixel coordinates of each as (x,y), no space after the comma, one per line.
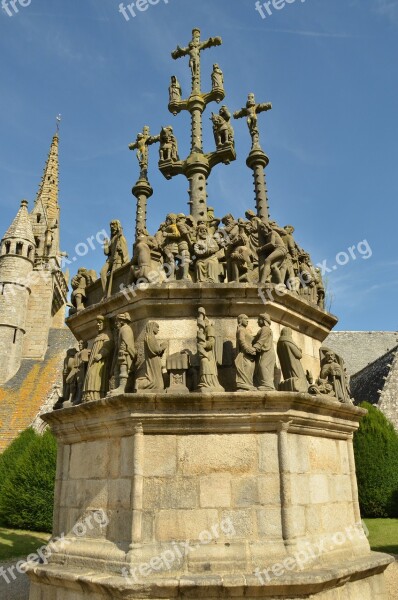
(19,589)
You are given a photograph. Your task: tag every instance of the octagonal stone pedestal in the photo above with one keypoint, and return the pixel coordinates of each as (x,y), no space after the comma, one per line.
(212,496)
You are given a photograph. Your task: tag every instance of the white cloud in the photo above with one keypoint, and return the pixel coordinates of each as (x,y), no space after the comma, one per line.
(388,8)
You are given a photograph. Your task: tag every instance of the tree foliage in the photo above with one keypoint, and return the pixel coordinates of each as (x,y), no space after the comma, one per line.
(376,457)
(27,472)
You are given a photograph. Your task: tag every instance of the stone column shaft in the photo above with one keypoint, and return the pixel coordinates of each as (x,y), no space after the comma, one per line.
(286,495)
(257,161)
(197,130)
(138,485)
(354,483)
(142,191)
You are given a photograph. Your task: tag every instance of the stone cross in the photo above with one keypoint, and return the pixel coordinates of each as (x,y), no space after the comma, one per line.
(143,141)
(193,50)
(251,110)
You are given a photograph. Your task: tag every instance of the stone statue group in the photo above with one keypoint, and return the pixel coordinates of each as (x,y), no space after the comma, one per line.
(209,251)
(110,367)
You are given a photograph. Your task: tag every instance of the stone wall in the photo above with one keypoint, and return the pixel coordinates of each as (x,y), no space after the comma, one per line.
(361,348)
(22,398)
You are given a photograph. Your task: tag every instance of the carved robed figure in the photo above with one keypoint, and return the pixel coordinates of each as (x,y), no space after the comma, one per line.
(153,352)
(245,358)
(290,355)
(265,360)
(96,384)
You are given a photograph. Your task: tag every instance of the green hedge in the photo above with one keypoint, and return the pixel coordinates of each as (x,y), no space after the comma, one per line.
(376,457)
(27,473)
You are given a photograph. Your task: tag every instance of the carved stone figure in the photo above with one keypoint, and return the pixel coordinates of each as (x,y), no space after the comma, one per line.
(252,233)
(125,355)
(78,372)
(206,343)
(308,289)
(79,282)
(153,352)
(168,145)
(289,268)
(320,289)
(116,250)
(241,258)
(143,141)
(222,128)
(271,254)
(96,384)
(175,90)
(251,111)
(185,245)
(245,359)
(67,368)
(207,267)
(333,371)
(217,78)
(193,50)
(265,360)
(212,221)
(141,264)
(171,238)
(290,355)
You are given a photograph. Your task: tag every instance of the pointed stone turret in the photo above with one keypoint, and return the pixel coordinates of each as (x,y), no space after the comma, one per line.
(21,227)
(17,253)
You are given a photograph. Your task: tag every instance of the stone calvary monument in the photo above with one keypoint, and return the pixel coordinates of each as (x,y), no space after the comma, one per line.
(205,434)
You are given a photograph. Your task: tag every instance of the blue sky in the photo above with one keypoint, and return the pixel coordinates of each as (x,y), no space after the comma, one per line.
(329,69)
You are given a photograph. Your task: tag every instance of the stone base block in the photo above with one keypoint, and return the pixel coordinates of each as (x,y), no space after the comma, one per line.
(361,580)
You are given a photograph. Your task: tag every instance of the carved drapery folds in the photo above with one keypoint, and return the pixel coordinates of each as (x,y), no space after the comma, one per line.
(113,363)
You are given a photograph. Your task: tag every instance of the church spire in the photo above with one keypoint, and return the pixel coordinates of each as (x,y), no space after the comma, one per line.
(45,216)
(48,192)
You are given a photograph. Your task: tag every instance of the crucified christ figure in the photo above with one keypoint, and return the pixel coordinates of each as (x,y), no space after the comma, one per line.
(251,112)
(141,144)
(193,50)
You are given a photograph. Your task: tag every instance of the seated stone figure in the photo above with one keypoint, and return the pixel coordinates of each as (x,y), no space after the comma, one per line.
(334,373)
(79,283)
(141,264)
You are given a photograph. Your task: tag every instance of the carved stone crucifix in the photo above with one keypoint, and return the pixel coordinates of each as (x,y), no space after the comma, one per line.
(143,141)
(251,110)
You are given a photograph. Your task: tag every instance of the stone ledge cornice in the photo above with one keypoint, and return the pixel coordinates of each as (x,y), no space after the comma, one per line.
(239,585)
(179,300)
(205,413)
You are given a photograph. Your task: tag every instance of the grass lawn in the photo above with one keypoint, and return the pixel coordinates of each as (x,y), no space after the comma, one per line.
(383,535)
(14,544)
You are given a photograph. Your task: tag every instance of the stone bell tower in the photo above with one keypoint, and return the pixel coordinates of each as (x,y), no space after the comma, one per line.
(17,253)
(33,288)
